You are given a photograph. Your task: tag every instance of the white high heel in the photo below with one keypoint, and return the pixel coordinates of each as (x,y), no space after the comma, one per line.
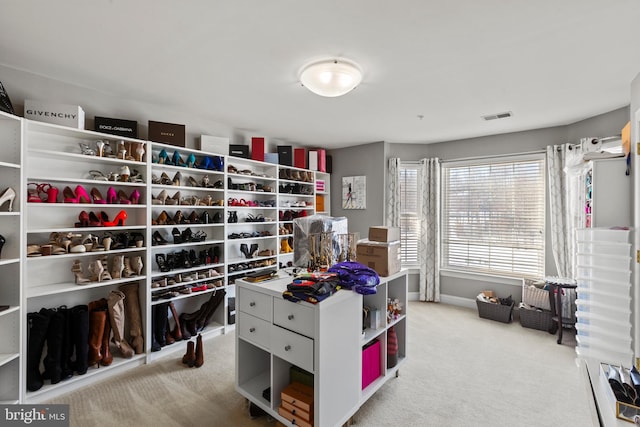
(8,195)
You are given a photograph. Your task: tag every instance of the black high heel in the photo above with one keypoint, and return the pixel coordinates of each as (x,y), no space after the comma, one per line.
(177,237)
(162,263)
(245,250)
(204,218)
(158,239)
(254,250)
(187,235)
(217,218)
(2,242)
(216,254)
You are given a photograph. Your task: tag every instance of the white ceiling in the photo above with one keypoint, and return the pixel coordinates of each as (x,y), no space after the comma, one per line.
(549,62)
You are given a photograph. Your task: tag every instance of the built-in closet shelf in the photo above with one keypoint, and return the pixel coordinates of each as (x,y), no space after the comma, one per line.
(212,330)
(88,207)
(184,296)
(185,188)
(83,157)
(75,255)
(87,230)
(172,226)
(9,310)
(9,261)
(59,288)
(157,273)
(187,244)
(8,357)
(77,181)
(9,165)
(15,212)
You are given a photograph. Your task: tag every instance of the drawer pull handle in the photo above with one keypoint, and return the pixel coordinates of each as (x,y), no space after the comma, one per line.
(290,317)
(252,304)
(287,347)
(252,329)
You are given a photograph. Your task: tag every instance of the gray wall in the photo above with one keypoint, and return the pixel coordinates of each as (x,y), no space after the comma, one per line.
(607,124)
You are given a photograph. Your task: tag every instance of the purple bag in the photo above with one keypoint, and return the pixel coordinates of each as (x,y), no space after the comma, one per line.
(356,276)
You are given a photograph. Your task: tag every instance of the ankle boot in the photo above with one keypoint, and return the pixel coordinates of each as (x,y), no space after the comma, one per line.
(133,317)
(199,352)
(116,317)
(189,357)
(160,325)
(126,269)
(177,332)
(36,335)
(80,337)
(118,266)
(55,336)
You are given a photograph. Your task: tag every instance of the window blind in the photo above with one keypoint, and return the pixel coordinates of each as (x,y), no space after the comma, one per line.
(409,220)
(493,217)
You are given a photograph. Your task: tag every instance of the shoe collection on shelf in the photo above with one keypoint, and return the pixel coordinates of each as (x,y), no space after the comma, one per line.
(109,245)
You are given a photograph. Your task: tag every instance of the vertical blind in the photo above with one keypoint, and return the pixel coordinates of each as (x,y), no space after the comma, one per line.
(409,220)
(493,217)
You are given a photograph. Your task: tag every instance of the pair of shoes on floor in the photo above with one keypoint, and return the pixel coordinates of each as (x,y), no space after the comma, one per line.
(195,353)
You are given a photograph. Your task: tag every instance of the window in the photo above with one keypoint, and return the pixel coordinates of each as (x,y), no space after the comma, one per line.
(493,217)
(409,220)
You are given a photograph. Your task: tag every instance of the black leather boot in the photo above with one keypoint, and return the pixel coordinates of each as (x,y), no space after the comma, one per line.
(80,337)
(205,314)
(66,351)
(55,337)
(160,325)
(37,326)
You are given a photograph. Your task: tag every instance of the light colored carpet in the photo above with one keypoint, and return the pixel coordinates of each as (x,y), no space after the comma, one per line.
(461,371)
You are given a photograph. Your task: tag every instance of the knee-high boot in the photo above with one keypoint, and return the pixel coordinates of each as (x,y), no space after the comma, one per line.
(133,318)
(97,320)
(177,332)
(67,348)
(55,337)
(36,334)
(205,315)
(116,317)
(160,324)
(107,356)
(80,337)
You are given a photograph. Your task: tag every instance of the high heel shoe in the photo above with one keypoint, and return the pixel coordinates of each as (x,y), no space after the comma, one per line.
(218,163)
(163,158)
(112,196)
(158,239)
(122,198)
(177,178)
(118,266)
(175,200)
(97,196)
(192,182)
(2,242)
(83,219)
(80,195)
(134,198)
(118,220)
(206,163)
(177,236)
(176,160)
(160,198)
(76,269)
(139,151)
(86,150)
(136,265)
(162,263)
(96,269)
(8,195)
(191,161)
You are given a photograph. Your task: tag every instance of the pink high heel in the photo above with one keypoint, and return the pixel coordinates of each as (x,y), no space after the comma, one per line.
(79,196)
(134,197)
(112,196)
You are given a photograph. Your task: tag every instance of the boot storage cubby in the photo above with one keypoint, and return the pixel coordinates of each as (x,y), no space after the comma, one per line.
(325,340)
(10,266)
(252,223)
(85,224)
(187,252)
(131,235)
(296,198)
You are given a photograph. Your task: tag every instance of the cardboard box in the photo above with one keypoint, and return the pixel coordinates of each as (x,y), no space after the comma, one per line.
(169,133)
(120,127)
(384,258)
(285,155)
(384,234)
(59,114)
(257,149)
(300,158)
(214,144)
(239,151)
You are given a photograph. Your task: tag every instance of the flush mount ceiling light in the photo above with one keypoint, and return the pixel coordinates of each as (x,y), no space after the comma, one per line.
(331,77)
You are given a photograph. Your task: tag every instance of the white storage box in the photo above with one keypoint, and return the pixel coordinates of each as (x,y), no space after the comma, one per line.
(621,263)
(602,273)
(602,235)
(619,249)
(214,144)
(59,114)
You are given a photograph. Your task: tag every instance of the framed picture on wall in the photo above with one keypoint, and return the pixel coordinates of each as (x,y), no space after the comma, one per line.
(354,192)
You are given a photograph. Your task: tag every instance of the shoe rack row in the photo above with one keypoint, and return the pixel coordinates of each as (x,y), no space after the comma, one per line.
(88,214)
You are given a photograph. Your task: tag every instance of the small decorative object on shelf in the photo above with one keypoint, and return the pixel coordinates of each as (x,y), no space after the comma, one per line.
(394,309)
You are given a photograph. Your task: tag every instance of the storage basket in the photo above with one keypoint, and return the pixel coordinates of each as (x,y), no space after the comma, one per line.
(535,319)
(493,311)
(535,296)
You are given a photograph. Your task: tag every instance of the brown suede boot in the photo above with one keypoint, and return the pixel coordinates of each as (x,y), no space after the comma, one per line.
(177,332)
(189,357)
(116,317)
(133,318)
(97,319)
(107,356)
(199,352)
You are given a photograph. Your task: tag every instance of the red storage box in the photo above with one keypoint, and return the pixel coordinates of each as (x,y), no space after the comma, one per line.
(257,149)
(300,158)
(370,363)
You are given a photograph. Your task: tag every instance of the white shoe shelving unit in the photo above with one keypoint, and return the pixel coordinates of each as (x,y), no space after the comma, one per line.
(37,153)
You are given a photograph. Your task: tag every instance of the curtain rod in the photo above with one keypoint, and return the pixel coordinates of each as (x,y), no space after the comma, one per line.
(497,156)
(595,141)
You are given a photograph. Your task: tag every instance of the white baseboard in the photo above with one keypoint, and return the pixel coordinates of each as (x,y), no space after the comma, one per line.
(447,299)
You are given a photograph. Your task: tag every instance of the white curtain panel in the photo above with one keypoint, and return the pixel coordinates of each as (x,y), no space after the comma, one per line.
(393,194)
(429,252)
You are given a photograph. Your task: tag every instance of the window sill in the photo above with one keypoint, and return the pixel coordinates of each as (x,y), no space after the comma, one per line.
(514,281)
